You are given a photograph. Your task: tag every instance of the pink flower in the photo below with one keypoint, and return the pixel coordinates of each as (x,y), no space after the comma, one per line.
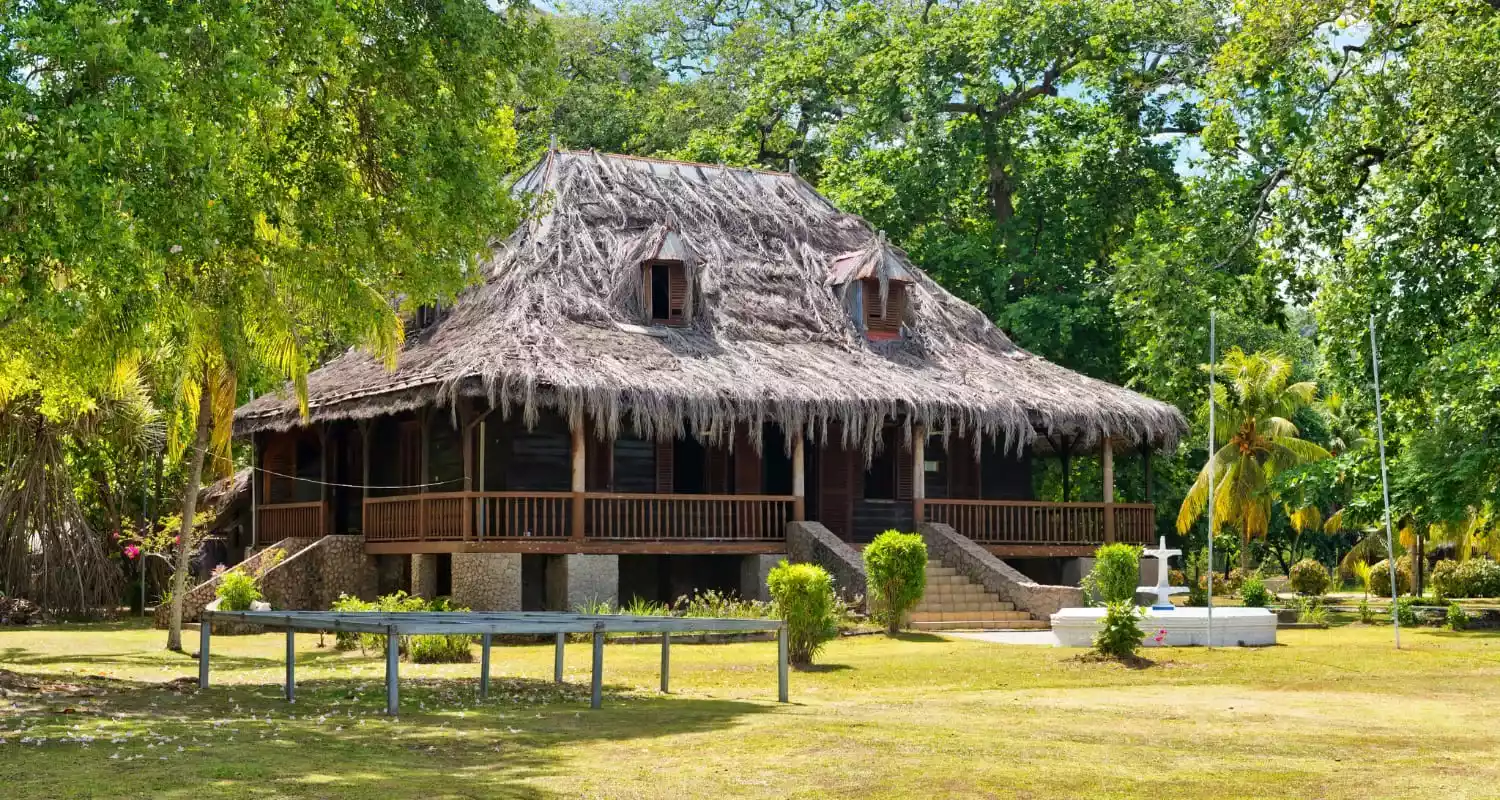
(1160,635)
(131,551)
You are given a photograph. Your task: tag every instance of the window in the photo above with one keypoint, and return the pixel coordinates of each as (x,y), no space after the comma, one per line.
(889,476)
(883,322)
(666,293)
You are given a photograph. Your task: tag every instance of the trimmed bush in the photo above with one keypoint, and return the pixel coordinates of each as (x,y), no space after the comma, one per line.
(237,591)
(1120,631)
(440,648)
(1444,580)
(896,573)
(1366,614)
(1405,609)
(1235,581)
(1458,618)
(1477,577)
(1116,573)
(1309,577)
(1380,578)
(1253,592)
(803,595)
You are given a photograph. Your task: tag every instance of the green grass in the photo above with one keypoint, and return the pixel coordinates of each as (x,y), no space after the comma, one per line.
(1333,713)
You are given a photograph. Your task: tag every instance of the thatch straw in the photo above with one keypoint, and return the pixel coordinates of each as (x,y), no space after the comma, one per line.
(770,336)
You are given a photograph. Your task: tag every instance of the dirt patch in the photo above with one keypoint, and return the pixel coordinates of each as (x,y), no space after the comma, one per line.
(15,684)
(1131,662)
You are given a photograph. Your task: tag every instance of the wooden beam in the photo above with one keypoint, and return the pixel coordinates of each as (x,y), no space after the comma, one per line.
(1146,468)
(919,472)
(799,479)
(580,475)
(571,546)
(1107,460)
(364,470)
(1041,550)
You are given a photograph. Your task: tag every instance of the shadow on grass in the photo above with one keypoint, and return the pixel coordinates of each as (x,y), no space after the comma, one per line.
(911,636)
(1481,633)
(236,740)
(20,655)
(815,668)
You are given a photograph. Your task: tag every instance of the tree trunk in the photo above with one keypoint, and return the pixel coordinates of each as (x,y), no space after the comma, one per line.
(1245,555)
(195,457)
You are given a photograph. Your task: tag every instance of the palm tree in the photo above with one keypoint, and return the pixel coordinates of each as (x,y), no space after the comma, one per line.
(1256,441)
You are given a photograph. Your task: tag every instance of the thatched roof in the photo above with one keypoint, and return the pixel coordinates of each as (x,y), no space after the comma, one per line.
(772,331)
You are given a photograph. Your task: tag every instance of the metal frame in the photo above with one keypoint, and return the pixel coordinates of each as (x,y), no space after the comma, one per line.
(485,625)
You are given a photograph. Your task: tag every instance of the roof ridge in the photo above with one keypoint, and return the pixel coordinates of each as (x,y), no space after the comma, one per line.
(678,162)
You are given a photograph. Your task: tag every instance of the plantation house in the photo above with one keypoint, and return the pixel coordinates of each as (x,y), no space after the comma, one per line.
(672,376)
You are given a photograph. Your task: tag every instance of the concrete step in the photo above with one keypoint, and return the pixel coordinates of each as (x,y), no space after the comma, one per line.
(969,615)
(983,625)
(939,608)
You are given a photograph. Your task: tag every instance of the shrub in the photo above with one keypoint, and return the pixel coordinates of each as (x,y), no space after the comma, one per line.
(803,595)
(1196,578)
(1309,577)
(1253,592)
(1444,579)
(1234,583)
(1310,611)
(1116,573)
(348,640)
(896,573)
(1458,618)
(1477,577)
(1120,631)
(1380,578)
(1366,614)
(439,648)
(237,591)
(1405,609)
(712,603)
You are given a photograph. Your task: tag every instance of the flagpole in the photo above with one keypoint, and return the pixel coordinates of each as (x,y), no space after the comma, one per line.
(1212,365)
(1385,484)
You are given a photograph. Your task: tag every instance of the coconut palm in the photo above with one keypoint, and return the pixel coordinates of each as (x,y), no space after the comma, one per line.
(1256,440)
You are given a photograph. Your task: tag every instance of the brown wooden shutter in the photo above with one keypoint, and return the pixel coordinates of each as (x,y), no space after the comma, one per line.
(677,294)
(836,485)
(747,462)
(664,466)
(279,463)
(904,470)
(884,325)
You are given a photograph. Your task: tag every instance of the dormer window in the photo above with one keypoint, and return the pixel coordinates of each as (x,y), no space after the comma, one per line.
(883,319)
(666,290)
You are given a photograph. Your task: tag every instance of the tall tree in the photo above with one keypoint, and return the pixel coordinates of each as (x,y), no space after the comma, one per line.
(261,178)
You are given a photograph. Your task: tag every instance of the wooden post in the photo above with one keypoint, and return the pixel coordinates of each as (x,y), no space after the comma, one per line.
(426,478)
(1066,456)
(1146,467)
(364,473)
(580,475)
(254,510)
(324,509)
(919,473)
(1107,459)
(799,480)
(466,427)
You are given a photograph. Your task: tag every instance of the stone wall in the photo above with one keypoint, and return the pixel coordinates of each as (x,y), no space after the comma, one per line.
(487,581)
(979,565)
(198,597)
(393,574)
(753,573)
(811,543)
(591,579)
(424,574)
(312,579)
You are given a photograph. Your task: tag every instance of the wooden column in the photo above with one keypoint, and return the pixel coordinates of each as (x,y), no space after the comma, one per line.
(580,475)
(466,428)
(364,473)
(323,488)
(1107,460)
(1146,467)
(1065,454)
(919,473)
(426,475)
(254,511)
(799,480)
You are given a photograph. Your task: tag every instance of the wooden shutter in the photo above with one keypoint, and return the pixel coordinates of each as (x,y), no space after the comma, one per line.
(836,486)
(883,323)
(279,463)
(904,473)
(665,479)
(747,462)
(677,291)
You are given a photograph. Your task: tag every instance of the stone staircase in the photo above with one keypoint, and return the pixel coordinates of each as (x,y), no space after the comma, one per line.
(953,602)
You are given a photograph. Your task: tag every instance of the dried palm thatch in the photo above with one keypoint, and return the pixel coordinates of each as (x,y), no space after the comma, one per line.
(773,331)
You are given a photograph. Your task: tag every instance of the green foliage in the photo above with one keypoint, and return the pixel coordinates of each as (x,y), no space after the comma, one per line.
(348,640)
(1234,581)
(1309,577)
(1380,578)
(1310,610)
(1477,577)
(1457,619)
(1116,574)
(896,573)
(1120,631)
(440,649)
(426,649)
(1196,578)
(1405,609)
(1444,580)
(803,595)
(236,591)
(712,603)
(1366,614)
(1253,592)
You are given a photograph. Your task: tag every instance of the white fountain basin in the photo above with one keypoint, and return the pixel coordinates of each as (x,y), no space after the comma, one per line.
(1185,627)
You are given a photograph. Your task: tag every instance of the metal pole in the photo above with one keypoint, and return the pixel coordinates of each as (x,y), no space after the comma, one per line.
(204,627)
(596,698)
(557,658)
(1212,366)
(1385,483)
(666,660)
(781,664)
(484,665)
(392,671)
(291,665)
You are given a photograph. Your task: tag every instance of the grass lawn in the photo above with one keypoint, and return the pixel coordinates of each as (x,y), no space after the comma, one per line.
(1329,713)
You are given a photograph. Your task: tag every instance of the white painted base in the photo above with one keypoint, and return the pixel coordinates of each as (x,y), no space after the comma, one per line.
(1185,627)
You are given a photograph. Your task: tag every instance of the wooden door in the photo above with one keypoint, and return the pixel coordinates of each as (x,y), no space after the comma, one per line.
(836,467)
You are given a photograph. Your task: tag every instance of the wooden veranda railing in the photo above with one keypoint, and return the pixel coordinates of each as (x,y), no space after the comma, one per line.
(498,516)
(1005,522)
(285,520)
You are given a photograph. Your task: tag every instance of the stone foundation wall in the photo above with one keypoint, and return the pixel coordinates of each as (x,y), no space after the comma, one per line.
(811,543)
(591,579)
(198,597)
(487,581)
(312,579)
(424,576)
(753,573)
(979,565)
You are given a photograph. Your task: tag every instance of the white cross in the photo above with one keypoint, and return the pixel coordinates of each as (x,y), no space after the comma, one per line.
(1163,591)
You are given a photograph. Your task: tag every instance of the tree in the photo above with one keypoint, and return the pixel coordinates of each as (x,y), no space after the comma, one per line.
(247,184)
(1256,440)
